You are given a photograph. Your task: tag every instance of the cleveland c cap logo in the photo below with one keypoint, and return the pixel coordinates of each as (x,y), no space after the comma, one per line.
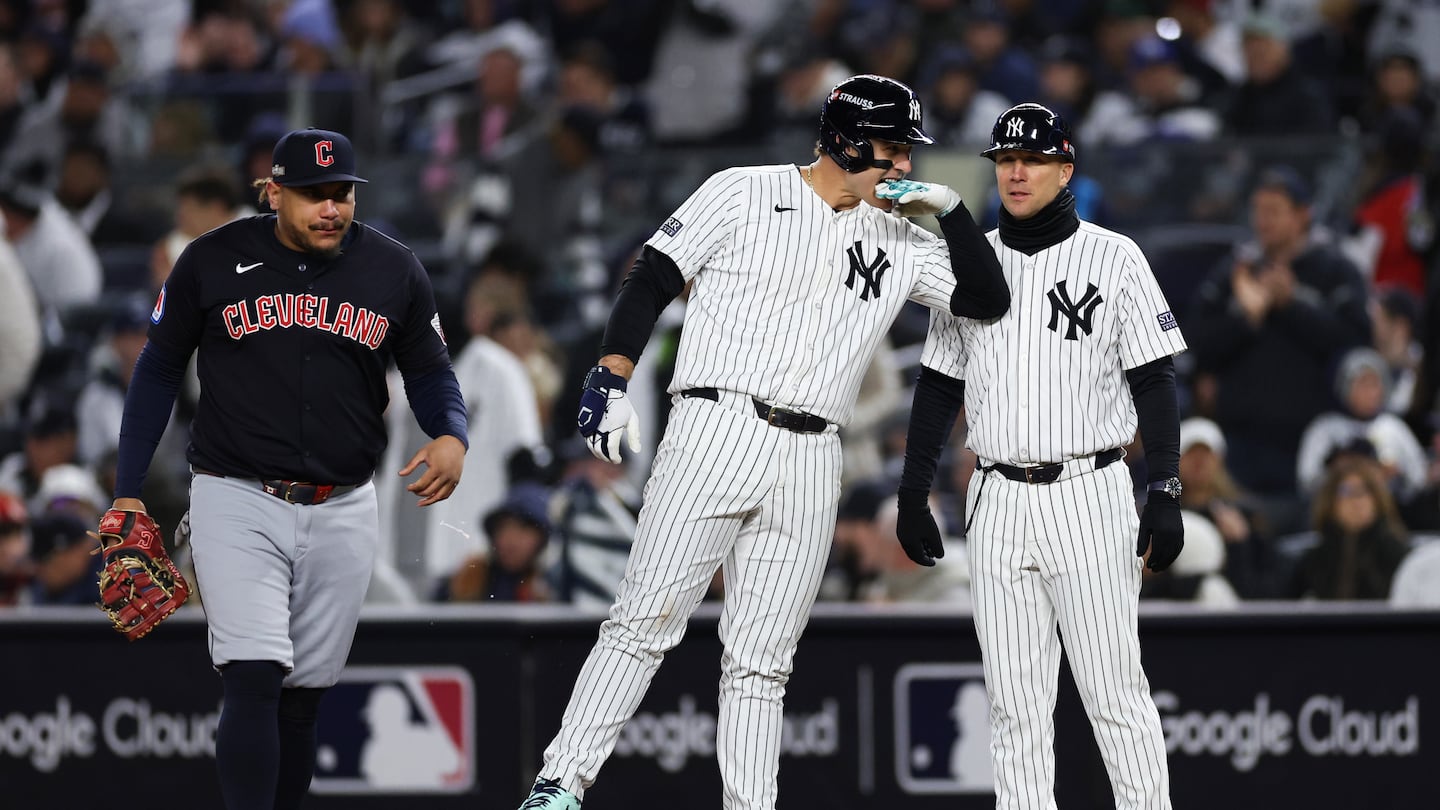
(323,153)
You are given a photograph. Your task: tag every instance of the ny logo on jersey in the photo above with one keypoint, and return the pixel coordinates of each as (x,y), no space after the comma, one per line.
(870,274)
(1078,312)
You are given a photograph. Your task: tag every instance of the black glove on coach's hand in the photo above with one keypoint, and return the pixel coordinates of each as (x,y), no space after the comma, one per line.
(1162,530)
(916,528)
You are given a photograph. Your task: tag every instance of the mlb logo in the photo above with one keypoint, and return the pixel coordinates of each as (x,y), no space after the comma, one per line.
(942,729)
(397,730)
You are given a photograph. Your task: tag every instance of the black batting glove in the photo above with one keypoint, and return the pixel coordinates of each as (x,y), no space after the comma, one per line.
(916,528)
(1162,530)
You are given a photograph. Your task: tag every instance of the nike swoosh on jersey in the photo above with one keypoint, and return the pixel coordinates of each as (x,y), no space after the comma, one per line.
(779,208)
(245,268)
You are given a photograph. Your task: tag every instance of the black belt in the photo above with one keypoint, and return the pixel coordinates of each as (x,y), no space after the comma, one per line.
(779,417)
(1046,473)
(304,493)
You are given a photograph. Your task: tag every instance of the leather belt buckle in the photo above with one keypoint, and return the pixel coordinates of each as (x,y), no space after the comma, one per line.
(1043,473)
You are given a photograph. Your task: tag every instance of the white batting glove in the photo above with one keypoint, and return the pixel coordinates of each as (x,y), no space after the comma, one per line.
(914,199)
(606,416)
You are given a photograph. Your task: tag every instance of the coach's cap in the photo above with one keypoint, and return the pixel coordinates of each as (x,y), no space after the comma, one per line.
(308,157)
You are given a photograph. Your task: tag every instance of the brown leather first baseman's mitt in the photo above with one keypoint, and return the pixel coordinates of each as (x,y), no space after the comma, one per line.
(139,585)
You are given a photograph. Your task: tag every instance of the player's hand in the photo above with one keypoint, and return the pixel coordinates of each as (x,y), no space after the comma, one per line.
(916,528)
(913,198)
(606,415)
(1162,531)
(443,458)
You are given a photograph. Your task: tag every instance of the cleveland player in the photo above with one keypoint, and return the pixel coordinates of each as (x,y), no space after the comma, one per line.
(296,316)
(1052,390)
(796,272)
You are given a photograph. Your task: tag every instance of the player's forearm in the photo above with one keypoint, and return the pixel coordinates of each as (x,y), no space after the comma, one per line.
(653,283)
(148,402)
(980,288)
(1153,388)
(937,403)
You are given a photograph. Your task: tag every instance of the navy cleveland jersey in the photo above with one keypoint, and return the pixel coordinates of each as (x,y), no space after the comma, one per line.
(294,348)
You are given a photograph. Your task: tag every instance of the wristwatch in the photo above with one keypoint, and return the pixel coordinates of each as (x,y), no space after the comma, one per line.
(1170,486)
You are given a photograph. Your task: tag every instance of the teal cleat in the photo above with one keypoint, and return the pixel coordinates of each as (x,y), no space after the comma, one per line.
(548,795)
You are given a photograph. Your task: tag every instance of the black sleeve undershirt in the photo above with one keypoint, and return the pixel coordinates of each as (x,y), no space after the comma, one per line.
(937,404)
(1153,387)
(652,284)
(980,289)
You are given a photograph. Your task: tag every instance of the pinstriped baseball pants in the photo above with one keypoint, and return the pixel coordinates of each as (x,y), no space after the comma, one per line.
(1062,555)
(727,490)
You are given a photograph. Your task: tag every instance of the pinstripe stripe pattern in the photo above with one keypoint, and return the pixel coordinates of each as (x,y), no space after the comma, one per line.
(772,315)
(1062,555)
(767,520)
(1045,382)
(1035,395)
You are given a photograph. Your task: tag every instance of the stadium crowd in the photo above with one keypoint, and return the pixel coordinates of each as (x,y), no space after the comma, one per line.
(1279,160)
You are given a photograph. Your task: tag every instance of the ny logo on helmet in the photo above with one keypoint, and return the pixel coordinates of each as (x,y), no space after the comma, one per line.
(1015,127)
(915,109)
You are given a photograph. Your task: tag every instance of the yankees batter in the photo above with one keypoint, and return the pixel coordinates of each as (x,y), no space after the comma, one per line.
(796,274)
(296,316)
(1052,390)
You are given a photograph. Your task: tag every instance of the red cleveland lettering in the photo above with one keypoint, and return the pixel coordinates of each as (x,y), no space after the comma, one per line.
(265,312)
(307,312)
(230,314)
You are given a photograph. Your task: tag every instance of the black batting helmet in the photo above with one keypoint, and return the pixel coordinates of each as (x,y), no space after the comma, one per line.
(1031,128)
(864,107)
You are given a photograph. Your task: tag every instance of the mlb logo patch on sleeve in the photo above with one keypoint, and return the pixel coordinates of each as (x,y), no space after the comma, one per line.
(1167,321)
(672,226)
(397,730)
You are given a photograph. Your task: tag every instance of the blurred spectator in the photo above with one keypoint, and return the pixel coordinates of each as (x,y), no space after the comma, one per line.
(1391,215)
(1002,68)
(17,568)
(1334,51)
(1265,328)
(55,252)
(1275,98)
(1395,319)
(1397,84)
(1210,492)
(1214,36)
(65,570)
(1160,103)
(13,96)
(510,570)
(1417,579)
(628,30)
(587,80)
(804,74)
(20,336)
(1121,24)
(878,402)
(380,41)
(900,579)
(42,55)
(596,507)
(102,400)
(49,442)
(87,110)
(1067,82)
(1359,540)
(1362,387)
(957,111)
(855,555)
(205,198)
(85,191)
(72,490)
(1198,575)
(142,37)
(1412,26)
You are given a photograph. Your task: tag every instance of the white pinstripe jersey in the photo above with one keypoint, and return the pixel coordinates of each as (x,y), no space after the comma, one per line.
(1045,382)
(791,298)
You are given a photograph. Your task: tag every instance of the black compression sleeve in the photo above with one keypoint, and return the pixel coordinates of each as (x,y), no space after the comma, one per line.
(980,289)
(1153,387)
(148,402)
(653,283)
(938,400)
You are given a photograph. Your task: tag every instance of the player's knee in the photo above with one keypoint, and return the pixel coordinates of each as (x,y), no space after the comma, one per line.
(300,705)
(252,679)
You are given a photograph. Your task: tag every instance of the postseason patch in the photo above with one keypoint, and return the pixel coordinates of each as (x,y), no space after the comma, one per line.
(435,324)
(672,226)
(1167,321)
